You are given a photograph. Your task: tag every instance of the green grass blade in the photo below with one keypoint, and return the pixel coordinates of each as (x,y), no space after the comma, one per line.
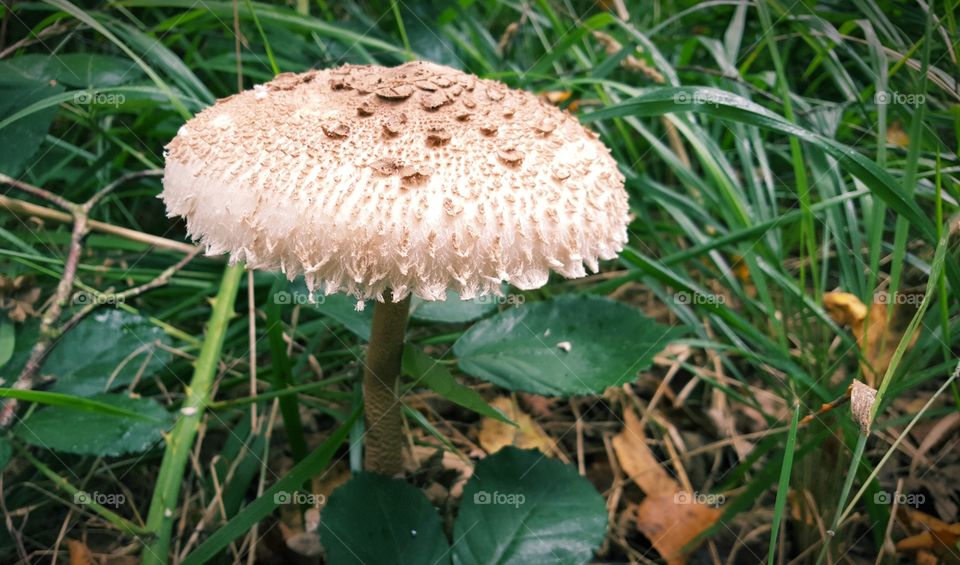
(783,487)
(282,377)
(71,401)
(260,508)
(180,441)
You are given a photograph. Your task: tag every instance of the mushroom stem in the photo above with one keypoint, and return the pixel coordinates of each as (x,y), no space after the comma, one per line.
(381,380)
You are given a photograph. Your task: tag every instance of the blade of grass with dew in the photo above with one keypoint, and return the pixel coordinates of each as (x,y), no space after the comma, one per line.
(917,127)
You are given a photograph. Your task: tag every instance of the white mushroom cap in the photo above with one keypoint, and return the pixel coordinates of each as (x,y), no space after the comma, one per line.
(418,178)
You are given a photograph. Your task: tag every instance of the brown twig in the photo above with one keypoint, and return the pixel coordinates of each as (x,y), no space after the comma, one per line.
(35,37)
(23,208)
(38,192)
(105,191)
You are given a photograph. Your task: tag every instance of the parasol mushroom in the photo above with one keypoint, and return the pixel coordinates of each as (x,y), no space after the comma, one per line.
(384,183)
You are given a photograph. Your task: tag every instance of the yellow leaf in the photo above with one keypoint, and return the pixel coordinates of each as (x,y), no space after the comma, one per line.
(556,96)
(877,336)
(638,462)
(495,435)
(896,135)
(671,521)
(844,308)
(79,553)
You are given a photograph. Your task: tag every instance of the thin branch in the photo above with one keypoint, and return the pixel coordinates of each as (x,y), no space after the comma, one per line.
(89,204)
(23,208)
(38,192)
(79,214)
(101,298)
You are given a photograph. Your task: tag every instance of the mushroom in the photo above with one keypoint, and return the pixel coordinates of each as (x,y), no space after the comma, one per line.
(389,182)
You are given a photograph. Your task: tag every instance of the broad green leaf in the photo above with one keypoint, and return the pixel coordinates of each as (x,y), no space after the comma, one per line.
(376,519)
(81,70)
(427,371)
(21,139)
(566,346)
(97,355)
(74,430)
(523,507)
(452,310)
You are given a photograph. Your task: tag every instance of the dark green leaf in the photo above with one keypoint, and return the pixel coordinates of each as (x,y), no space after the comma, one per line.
(523,507)
(96,356)
(570,345)
(84,432)
(21,138)
(81,70)
(376,519)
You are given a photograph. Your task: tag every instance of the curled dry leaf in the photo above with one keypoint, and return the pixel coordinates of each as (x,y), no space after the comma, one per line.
(432,462)
(862,398)
(495,435)
(844,308)
(17,297)
(79,553)
(638,461)
(876,334)
(669,517)
(896,136)
(670,524)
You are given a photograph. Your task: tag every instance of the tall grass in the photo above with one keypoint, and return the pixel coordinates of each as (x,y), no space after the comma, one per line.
(758,144)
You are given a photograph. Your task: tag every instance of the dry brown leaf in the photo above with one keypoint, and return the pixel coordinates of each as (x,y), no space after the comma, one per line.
(638,462)
(556,97)
(937,538)
(495,435)
(79,553)
(17,296)
(920,520)
(844,308)
(896,135)
(934,535)
(670,525)
(877,336)
(611,47)
(880,339)
(862,398)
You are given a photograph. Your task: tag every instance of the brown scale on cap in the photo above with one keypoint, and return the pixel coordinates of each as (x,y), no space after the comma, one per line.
(419,177)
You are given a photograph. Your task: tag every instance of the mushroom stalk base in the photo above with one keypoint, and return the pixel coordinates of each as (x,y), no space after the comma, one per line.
(381,380)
